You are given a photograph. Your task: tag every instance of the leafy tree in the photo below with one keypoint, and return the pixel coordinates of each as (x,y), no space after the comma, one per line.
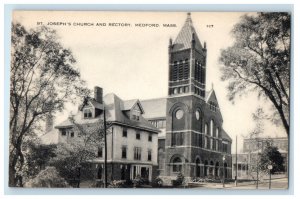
(37,158)
(259,60)
(271,156)
(78,151)
(49,178)
(43,78)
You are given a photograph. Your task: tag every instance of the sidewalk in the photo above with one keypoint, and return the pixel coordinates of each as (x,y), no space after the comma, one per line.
(278,183)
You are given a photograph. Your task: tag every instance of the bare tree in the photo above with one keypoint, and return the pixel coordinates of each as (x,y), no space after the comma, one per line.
(259,60)
(43,79)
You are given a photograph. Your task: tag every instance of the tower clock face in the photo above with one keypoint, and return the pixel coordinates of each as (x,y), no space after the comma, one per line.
(179,114)
(197,115)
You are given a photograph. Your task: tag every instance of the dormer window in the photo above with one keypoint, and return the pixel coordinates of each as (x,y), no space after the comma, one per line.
(87,113)
(135,115)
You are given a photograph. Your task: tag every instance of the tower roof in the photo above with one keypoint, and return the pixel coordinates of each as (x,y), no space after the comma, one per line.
(186,35)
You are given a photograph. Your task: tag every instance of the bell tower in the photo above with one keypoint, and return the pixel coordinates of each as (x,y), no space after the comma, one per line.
(186,101)
(187,63)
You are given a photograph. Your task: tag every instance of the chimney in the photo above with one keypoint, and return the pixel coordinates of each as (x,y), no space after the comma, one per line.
(49,123)
(98,94)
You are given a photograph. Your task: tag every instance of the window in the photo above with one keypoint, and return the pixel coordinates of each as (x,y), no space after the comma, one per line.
(175,71)
(205,129)
(211,143)
(138,135)
(150,138)
(197,138)
(186,89)
(217,145)
(135,114)
(196,71)
(197,113)
(180,70)
(72,134)
(205,142)
(124,152)
(211,128)
(175,91)
(217,132)
(179,114)
(100,152)
(124,132)
(87,113)
(213,106)
(186,69)
(177,165)
(180,89)
(177,139)
(149,155)
(63,132)
(137,153)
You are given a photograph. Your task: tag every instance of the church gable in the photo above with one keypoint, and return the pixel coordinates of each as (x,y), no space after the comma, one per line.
(212,98)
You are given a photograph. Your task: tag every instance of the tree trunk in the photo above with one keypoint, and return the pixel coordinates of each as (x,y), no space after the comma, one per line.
(12,179)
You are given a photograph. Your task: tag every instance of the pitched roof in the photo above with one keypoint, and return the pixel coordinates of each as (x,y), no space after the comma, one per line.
(185,36)
(130,104)
(114,113)
(154,108)
(226,136)
(211,96)
(50,137)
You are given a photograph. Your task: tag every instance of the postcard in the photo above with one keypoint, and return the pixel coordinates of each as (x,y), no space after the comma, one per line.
(106,99)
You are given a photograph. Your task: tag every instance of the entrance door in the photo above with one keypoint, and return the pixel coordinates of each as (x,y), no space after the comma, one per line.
(197,168)
(145,172)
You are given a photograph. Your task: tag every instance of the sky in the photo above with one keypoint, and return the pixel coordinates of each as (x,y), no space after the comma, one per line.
(132,61)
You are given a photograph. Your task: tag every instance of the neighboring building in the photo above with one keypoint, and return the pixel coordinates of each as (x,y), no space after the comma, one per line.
(131,143)
(251,148)
(192,140)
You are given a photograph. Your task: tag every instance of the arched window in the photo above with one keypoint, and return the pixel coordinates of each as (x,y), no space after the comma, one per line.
(186,69)
(175,71)
(217,132)
(177,165)
(211,128)
(175,91)
(180,89)
(180,70)
(197,70)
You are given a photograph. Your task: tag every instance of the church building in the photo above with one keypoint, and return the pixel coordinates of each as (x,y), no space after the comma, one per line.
(192,140)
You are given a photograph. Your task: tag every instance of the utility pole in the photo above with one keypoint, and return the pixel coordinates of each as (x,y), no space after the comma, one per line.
(257,165)
(236,165)
(223,171)
(105,151)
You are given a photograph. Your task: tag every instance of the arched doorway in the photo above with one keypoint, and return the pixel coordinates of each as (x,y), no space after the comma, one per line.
(198,167)
(217,170)
(177,165)
(205,168)
(211,168)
